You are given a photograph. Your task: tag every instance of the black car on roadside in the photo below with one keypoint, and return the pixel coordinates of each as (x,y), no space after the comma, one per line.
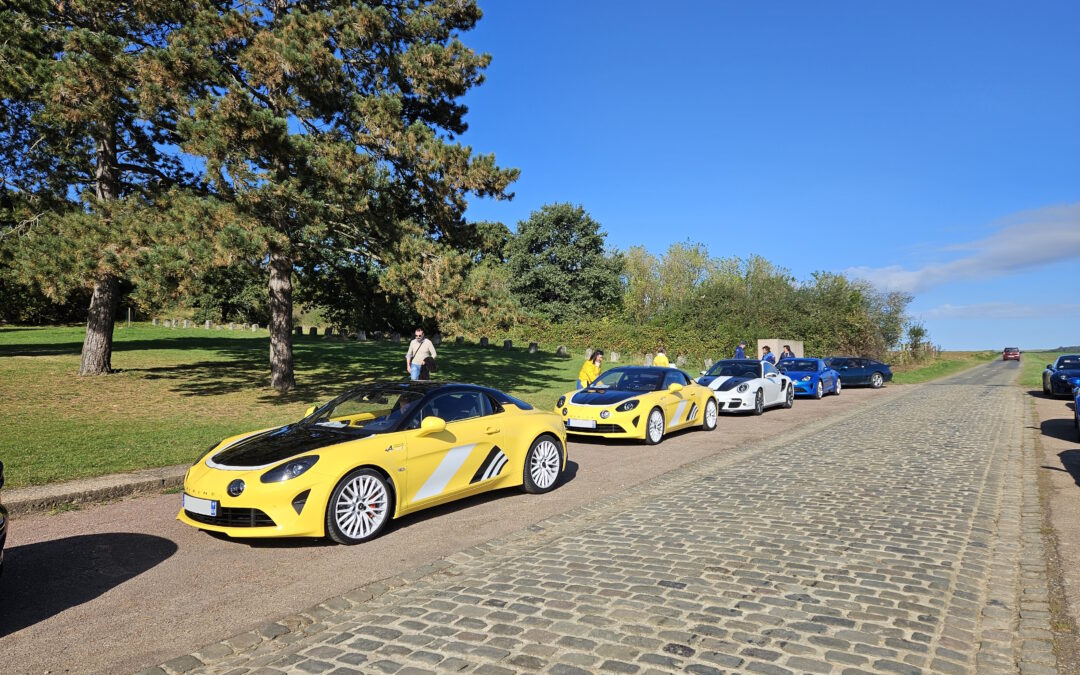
(3,522)
(857,371)
(1057,379)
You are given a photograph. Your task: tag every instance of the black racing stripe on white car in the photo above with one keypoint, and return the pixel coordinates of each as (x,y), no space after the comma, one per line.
(491,466)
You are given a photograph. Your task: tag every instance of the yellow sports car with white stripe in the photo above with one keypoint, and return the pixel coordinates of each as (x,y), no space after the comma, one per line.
(640,402)
(375,453)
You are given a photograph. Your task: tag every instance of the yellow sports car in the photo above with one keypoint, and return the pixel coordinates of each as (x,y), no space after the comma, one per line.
(642,402)
(376,452)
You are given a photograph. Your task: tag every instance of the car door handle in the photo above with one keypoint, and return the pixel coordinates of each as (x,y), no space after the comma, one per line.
(491,430)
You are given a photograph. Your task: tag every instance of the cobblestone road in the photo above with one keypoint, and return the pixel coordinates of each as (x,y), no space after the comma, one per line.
(903,538)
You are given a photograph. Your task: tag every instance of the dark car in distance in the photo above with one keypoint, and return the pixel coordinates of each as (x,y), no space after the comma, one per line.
(856,371)
(1057,379)
(1010,354)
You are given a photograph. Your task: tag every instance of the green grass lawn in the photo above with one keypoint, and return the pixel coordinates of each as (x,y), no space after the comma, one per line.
(177,391)
(1032,365)
(945,364)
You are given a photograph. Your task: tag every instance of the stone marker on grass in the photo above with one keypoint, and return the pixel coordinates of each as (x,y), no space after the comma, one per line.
(459,340)
(483,342)
(312,330)
(207,324)
(708,363)
(395,337)
(153,322)
(560,350)
(649,359)
(613,357)
(361,335)
(588,353)
(436,339)
(508,344)
(533,347)
(680,361)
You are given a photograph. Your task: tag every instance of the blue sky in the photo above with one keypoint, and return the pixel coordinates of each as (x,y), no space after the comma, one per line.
(933,147)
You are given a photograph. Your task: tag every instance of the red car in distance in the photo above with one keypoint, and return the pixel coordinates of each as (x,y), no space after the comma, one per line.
(1011,354)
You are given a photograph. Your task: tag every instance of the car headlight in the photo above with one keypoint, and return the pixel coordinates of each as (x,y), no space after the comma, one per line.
(1060,376)
(628,406)
(604,414)
(289,470)
(742,388)
(560,402)
(807,378)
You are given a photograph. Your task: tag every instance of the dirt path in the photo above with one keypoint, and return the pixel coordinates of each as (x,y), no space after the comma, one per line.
(123,586)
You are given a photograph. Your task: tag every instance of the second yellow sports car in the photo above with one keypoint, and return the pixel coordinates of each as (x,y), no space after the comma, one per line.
(374,453)
(641,402)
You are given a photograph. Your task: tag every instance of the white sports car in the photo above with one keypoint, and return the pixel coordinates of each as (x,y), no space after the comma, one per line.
(742,385)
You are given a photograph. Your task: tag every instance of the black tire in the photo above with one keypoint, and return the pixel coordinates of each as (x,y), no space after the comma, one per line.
(543,465)
(708,419)
(1046,385)
(790,400)
(876,380)
(819,390)
(651,438)
(355,498)
(759,402)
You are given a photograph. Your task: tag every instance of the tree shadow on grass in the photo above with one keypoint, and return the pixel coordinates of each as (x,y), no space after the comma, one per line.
(43,579)
(325,367)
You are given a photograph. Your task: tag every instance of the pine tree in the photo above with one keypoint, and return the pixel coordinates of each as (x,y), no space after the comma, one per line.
(328,122)
(84,118)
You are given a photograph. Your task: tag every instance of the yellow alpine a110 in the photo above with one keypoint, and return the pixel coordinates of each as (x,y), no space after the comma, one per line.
(642,402)
(376,452)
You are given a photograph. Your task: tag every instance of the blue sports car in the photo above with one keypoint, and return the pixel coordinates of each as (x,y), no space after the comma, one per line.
(1076,407)
(857,370)
(811,377)
(1056,378)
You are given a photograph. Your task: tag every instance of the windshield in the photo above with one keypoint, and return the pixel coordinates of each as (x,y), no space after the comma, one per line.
(735,369)
(368,410)
(1069,362)
(629,380)
(798,365)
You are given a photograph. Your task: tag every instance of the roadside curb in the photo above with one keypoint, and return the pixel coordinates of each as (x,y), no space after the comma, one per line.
(37,498)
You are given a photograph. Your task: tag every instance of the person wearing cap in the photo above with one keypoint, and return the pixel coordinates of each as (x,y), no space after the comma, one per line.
(740,351)
(786,354)
(661,359)
(767,355)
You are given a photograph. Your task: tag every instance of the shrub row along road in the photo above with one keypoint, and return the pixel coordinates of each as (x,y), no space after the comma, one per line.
(873,530)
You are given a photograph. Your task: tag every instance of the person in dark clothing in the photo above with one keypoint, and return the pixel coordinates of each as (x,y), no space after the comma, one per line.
(740,351)
(427,368)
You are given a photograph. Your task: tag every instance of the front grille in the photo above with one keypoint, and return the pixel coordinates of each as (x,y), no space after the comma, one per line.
(233,517)
(735,403)
(600,429)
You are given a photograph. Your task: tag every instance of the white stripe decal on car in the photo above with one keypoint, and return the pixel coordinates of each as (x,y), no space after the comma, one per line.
(677,417)
(495,467)
(448,467)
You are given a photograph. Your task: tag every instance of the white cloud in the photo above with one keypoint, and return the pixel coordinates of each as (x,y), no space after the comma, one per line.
(1023,241)
(1000,311)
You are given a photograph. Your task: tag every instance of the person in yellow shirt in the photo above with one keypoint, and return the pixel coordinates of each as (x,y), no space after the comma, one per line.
(590,370)
(661,358)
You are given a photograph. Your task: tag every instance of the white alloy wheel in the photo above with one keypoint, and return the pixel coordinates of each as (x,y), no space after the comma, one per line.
(838,387)
(543,464)
(359,507)
(876,380)
(654,427)
(819,390)
(710,414)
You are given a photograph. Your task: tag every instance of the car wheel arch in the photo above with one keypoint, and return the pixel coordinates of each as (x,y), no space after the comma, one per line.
(386,476)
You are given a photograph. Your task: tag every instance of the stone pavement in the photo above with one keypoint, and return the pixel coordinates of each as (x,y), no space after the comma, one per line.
(902,538)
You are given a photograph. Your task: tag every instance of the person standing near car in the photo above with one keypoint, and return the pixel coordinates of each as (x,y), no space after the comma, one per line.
(590,370)
(661,359)
(767,355)
(419,350)
(740,351)
(786,354)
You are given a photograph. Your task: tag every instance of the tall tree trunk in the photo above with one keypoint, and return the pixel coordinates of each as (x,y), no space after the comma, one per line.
(97,346)
(281,353)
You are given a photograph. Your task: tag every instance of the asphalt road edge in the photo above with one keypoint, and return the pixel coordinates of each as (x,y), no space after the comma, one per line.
(84,492)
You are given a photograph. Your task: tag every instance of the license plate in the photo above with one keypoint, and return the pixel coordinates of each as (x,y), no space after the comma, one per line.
(203,507)
(581,424)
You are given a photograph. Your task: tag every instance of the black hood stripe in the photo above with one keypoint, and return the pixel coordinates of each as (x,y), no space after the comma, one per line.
(277,445)
(602,396)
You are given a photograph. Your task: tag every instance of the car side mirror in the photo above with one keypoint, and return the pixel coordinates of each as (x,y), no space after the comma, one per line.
(432,425)
(1049,366)
(674,387)
(309,411)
